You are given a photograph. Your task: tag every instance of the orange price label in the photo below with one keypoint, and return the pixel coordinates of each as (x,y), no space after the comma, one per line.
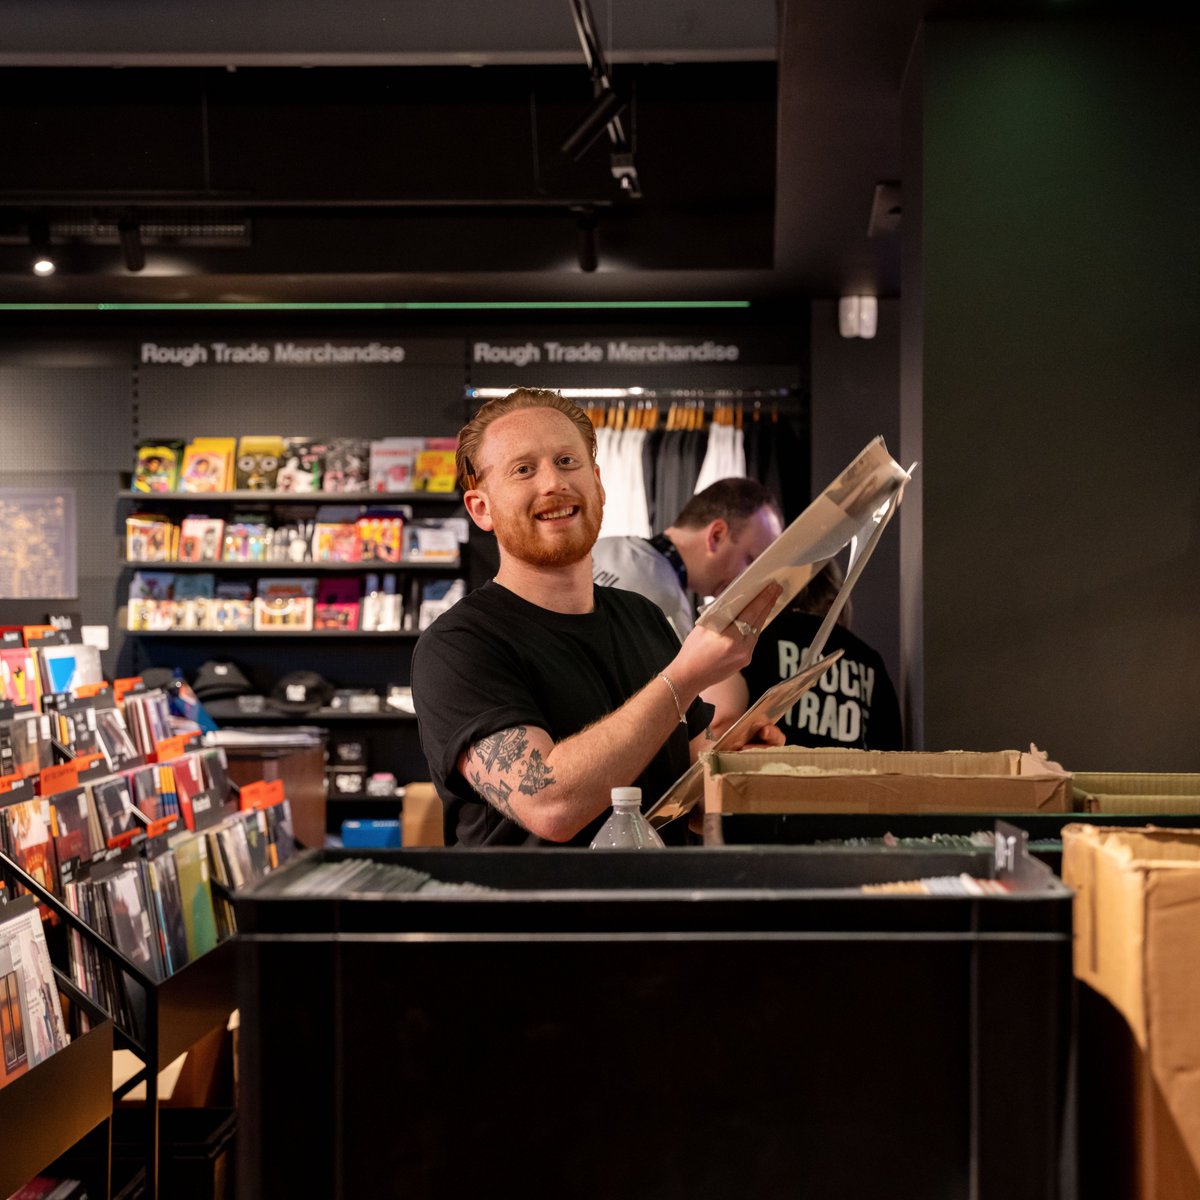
(162,825)
(85,762)
(272,793)
(8,782)
(60,778)
(171,747)
(91,689)
(122,687)
(253,795)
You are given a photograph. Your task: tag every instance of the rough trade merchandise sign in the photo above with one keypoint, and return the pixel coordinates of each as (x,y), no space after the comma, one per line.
(608,351)
(293,352)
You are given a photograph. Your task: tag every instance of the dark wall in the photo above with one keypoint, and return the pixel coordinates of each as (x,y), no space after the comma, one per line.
(1061,166)
(854,399)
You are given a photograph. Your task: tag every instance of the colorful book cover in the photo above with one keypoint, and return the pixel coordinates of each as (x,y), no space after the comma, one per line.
(149,537)
(435,471)
(200,539)
(23,941)
(71,825)
(393,460)
(156,465)
(20,677)
(381,537)
(303,465)
(208,465)
(195,890)
(32,840)
(258,462)
(347,465)
(337,604)
(336,541)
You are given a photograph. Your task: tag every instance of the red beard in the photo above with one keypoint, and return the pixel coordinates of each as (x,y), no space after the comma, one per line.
(526,539)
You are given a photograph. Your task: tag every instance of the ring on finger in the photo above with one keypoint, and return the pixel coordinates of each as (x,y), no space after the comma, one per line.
(745,628)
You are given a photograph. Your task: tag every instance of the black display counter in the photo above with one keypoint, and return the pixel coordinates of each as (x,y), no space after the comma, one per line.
(685,1023)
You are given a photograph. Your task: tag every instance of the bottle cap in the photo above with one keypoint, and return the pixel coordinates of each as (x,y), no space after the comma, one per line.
(627,793)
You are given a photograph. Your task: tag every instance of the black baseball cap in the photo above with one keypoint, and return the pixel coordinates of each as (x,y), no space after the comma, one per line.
(301,692)
(216,679)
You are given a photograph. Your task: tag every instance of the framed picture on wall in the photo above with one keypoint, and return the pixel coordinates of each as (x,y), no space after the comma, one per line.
(38,535)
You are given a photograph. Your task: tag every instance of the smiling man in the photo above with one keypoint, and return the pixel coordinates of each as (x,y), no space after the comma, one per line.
(539,692)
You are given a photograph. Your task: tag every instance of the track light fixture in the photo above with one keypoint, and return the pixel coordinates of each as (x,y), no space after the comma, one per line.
(607,106)
(39,239)
(129,230)
(586,248)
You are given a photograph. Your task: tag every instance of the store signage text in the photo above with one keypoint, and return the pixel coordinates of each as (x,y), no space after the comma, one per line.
(288,353)
(631,351)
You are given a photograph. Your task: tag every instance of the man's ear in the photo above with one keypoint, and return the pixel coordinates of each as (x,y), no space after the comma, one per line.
(716,533)
(477,508)
(600,484)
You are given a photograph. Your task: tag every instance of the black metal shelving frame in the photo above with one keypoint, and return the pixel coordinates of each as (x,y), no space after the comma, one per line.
(180,1010)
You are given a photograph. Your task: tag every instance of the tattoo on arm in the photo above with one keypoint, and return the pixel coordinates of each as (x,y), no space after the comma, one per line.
(496,795)
(538,774)
(501,749)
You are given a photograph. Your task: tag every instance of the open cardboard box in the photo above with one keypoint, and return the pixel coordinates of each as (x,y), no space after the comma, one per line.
(798,780)
(1137,792)
(1137,943)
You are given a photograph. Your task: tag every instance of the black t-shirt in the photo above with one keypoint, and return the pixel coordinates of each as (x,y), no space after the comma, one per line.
(853,706)
(494,661)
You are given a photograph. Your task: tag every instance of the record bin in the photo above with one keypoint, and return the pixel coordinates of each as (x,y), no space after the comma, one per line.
(690,1022)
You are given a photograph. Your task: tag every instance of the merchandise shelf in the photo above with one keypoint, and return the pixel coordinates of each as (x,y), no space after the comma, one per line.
(300,498)
(372,566)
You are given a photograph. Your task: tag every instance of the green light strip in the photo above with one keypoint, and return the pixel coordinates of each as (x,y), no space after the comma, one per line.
(370,306)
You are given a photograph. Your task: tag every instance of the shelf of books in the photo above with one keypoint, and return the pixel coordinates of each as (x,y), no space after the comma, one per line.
(121,844)
(294,466)
(227,716)
(291,497)
(404,565)
(395,635)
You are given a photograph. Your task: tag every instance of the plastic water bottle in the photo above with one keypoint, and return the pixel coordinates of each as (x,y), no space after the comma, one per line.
(626,828)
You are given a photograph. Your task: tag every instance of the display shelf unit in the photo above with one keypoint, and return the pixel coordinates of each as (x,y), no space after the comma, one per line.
(320,717)
(326,635)
(180,1010)
(352,659)
(298,498)
(373,566)
(47,1111)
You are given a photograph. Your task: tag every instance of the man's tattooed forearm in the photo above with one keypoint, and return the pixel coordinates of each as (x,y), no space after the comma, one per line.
(538,774)
(501,749)
(496,795)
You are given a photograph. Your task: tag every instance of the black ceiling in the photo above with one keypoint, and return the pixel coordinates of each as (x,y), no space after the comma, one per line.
(372,151)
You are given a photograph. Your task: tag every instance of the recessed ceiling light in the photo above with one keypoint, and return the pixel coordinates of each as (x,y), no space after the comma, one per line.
(43,266)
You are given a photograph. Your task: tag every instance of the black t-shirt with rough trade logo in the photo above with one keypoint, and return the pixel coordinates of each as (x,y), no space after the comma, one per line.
(495,661)
(853,706)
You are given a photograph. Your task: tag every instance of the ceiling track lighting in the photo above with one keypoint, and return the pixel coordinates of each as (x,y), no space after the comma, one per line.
(586,245)
(604,111)
(39,238)
(129,230)
(607,106)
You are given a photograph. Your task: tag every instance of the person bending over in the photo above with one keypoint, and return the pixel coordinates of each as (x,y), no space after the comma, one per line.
(716,536)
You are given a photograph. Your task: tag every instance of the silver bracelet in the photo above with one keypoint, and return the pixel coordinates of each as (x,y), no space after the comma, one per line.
(674,696)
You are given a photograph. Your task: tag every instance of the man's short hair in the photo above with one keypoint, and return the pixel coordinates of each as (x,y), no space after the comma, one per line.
(735,500)
(470,436)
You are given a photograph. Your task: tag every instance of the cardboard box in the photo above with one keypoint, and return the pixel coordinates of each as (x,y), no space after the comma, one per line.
(1136,792)
(797,780)
(1137,942)
(422,816)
